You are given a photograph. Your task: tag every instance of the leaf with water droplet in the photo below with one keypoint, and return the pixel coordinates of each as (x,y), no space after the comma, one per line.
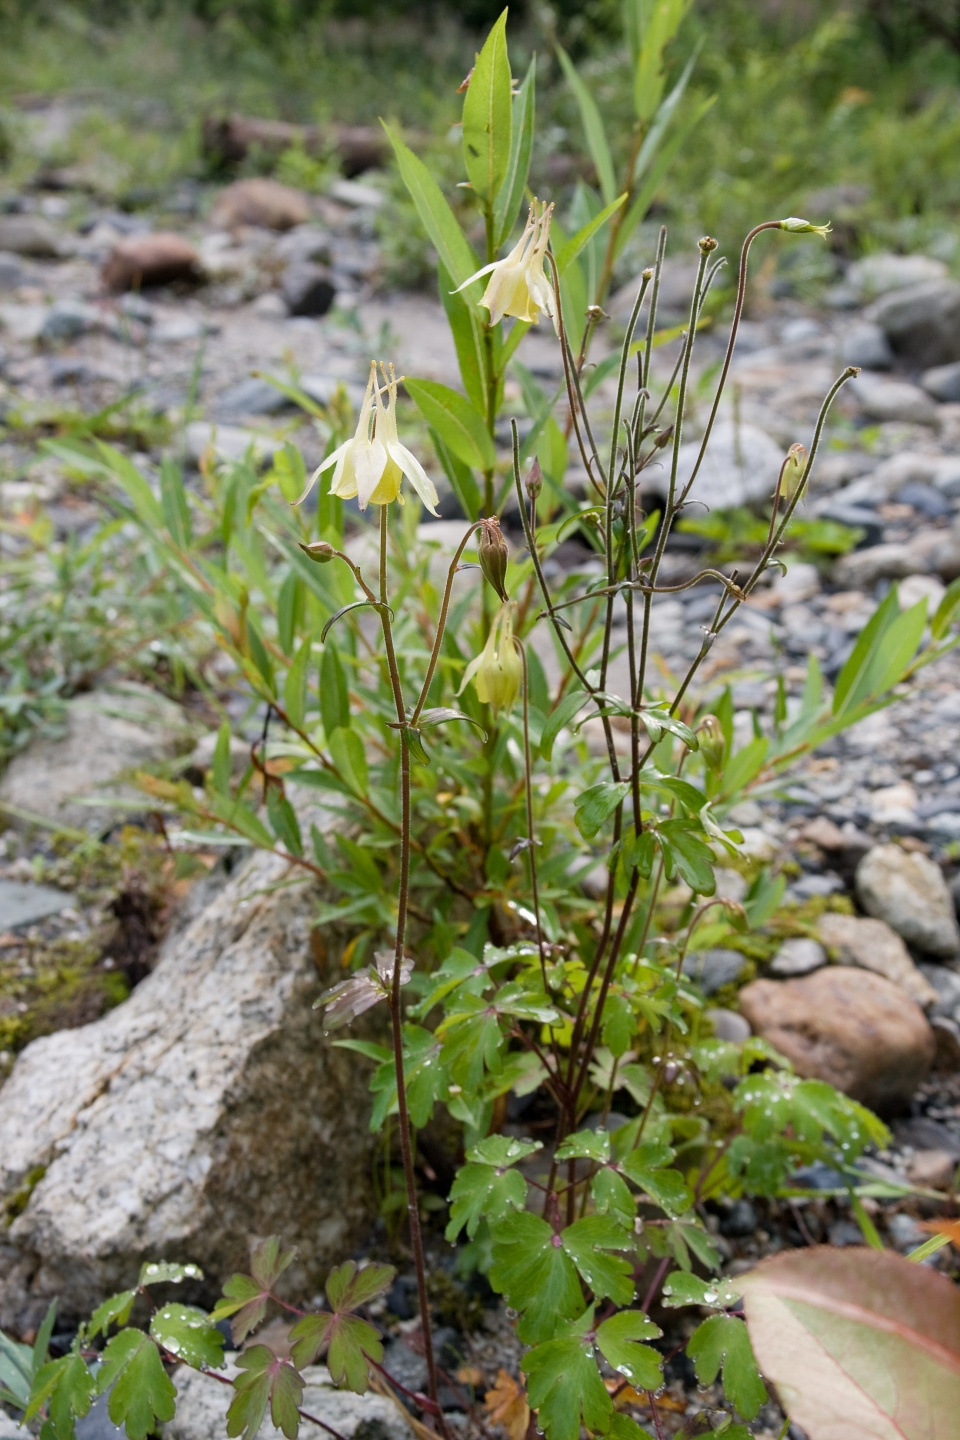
(187,1333)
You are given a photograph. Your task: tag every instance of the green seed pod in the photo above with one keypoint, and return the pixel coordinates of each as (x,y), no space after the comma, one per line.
(712,741)
(494,555)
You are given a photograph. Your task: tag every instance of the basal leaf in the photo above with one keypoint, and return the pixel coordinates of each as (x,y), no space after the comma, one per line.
(723,1342)
(617,1339)
(558,718)
(564,1384)
(189,1334)
(502,1150)
(533,1272)
(66,1387)
(141,1392)
(589,1242)
(647,1167)
(858,1342)
(113,1311)
(265,1378)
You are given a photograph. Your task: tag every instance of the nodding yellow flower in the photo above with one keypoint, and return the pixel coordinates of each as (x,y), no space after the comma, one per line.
(517,284)
(497,671)
(372,464)
(792,470)
(796,226)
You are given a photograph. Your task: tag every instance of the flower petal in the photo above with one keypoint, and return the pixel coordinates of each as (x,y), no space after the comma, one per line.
(330,460)
(369,461)
(416,474)
(485,271)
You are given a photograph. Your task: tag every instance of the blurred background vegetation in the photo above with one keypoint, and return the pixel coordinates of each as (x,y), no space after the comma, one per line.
(852,110)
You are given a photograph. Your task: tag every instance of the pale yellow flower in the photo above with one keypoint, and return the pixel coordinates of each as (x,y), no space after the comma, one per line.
(796,226)
(372,464)
(517,284)
(497,672)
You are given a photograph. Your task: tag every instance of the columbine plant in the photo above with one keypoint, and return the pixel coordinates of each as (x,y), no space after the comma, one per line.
(469,807)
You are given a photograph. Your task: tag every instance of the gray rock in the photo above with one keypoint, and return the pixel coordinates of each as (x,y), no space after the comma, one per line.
(866,346)
(739,1221)
(924,499)
(23,904)
(908,891)
(797,956)
(861,569)
(713,969)
(906,1232)
(883,399)
(728,1025)
(356,195)
(943,382)
(30,235)
(809,886)
(922,322)
(206,1110)
(946,982)
(118,728)
(12,273)
(907,467)
(202,1410)
(845,1232)
(873,945)
(253,396)
(308,288)
(228,442)
(741,466)
(68,319)
(96,1424)
(879,274)
(855,517)
(10,1430)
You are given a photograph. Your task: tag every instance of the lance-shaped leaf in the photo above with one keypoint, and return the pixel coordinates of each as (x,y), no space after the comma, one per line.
(141,1392)
(618,1340)
(188,1333)
(265,1379)
(245,1296)
(66,1387)
(513,187)
(487,115)
(564,1383)
(723,1342)
(486,1185)
(350,1340)
(858,1342)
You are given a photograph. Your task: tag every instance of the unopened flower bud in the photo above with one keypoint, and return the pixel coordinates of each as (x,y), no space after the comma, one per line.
(493,556)
(646,274)
(319,551)
(791,472)
(707,245)
(534,481)
(712,741)
(663,438)
(795,226)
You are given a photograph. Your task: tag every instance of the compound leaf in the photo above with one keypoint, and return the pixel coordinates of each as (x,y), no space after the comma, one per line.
(265,1379)
(723,1341)
(588,1243)
(617,1339)
(141,1392)
(563,1381)
(67,1387)
(115,1310)
(532,1270)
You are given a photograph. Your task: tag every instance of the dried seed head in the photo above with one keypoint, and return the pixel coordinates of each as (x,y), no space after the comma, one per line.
(493,555)
(319,551)
(712,741)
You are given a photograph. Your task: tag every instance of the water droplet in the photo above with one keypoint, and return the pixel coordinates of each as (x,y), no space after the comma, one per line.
(512,1315)
(710,1296)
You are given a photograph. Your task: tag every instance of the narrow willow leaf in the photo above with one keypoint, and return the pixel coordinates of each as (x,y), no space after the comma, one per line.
(487,115)
(456,421)
(513,187)
(593,128)
(454,250)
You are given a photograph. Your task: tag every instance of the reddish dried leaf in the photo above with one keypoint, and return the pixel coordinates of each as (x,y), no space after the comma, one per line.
(858,1342)
(507,1406)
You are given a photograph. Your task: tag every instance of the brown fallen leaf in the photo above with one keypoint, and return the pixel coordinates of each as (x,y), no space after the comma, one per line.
(950,1228)
(507,1406)
(470,1375)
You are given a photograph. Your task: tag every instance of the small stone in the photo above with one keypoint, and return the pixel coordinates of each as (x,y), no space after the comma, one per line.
(823,832)
(883,399)
(728,1025)
(861,569)
(68,319)
(924,499)
(23,904)
(800,583)
(253,396)
(143,260)
(260,201)
(946,982)
(915,588)
(308,288)
(866,346)
(30,235)
(797,956)
(12,273)
(947,1034)
(872,945)
(922,322)
(856,517)
(849,1027)
(845,1232)
(202,1409)
(809,886)
(356,195)
(905,1232)
(739,1221)
(894,805)
(908,891)
(943,382)
(712,969)
(933,1169)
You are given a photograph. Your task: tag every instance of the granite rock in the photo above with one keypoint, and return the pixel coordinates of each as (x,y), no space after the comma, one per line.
(908,891)
(872,945)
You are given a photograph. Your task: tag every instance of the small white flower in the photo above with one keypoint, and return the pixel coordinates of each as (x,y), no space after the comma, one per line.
(372,464)
(517,284)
